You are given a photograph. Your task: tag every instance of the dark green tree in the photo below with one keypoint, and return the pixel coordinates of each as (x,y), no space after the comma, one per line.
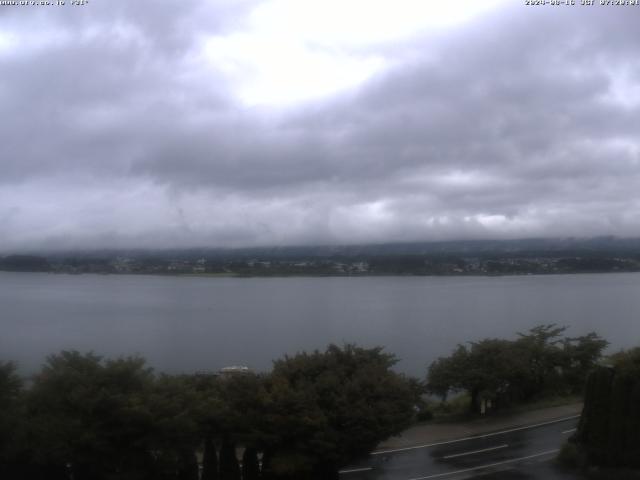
(487,370)
(176,434)
(188,469)
(581,355)
(12,422)
(609,428)
(229,467)
(209,460)
(541,349)
(240,409)
(502,372)
(445,375)
(89,416)
(327,408)
(250,465)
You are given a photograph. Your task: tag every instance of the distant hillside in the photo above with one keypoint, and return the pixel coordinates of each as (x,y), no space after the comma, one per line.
(469,257)
(24,263)
(527,247)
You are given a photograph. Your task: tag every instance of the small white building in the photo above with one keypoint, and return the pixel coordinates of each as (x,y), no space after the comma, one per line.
(234,370)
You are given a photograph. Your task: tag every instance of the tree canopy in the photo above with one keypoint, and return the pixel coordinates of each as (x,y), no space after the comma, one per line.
(609,429)
(501,372)
(91,418)
(334,406)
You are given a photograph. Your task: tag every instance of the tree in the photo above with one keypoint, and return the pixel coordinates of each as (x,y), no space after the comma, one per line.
(176,434)
(89,415)
(11,421)
(487,371)
(609,428)
(326,408)
(229,468)
(230,408)
(540,362)
(445,375)
(581,354)
(250,465)
(542,352)
(209,460)
(91,418)
(188,469)
(240,409)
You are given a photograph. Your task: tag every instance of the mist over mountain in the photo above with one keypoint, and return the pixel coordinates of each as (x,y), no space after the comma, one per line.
(252,123)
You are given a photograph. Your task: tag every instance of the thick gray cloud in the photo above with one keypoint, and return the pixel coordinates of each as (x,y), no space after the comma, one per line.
(520,122)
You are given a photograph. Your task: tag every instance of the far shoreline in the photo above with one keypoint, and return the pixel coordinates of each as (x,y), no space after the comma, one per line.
(327,275)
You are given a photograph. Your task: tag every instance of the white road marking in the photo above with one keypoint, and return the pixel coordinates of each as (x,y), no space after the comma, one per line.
(570,430)
(476,451)
(355,470)
(474,437)
(497,464)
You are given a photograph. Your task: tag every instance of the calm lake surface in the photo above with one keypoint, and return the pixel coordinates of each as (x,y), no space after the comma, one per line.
(183,324)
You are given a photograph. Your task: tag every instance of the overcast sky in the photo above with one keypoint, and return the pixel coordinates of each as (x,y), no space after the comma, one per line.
(232,123)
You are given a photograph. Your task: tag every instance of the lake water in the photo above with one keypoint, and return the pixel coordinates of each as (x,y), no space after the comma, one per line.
(183,324)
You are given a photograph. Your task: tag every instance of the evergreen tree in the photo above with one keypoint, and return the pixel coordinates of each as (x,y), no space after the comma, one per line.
(325,409)
(609,429)
(266,469)
(209,460)
(188,466)
(250,467)
(229,468)
(12,422)
(540,362)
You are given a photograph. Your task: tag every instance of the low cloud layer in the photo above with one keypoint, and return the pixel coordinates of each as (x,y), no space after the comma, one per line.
(120,130)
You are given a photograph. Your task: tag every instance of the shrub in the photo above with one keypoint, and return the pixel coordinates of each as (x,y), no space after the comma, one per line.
(570,456)
(424,415)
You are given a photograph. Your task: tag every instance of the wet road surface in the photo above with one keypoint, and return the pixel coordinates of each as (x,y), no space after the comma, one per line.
(517,453)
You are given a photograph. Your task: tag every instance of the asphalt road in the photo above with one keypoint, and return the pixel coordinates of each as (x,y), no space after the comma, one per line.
(517,453)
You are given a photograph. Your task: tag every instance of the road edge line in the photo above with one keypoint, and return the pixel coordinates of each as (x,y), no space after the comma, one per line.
(474,437)
(480,467)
